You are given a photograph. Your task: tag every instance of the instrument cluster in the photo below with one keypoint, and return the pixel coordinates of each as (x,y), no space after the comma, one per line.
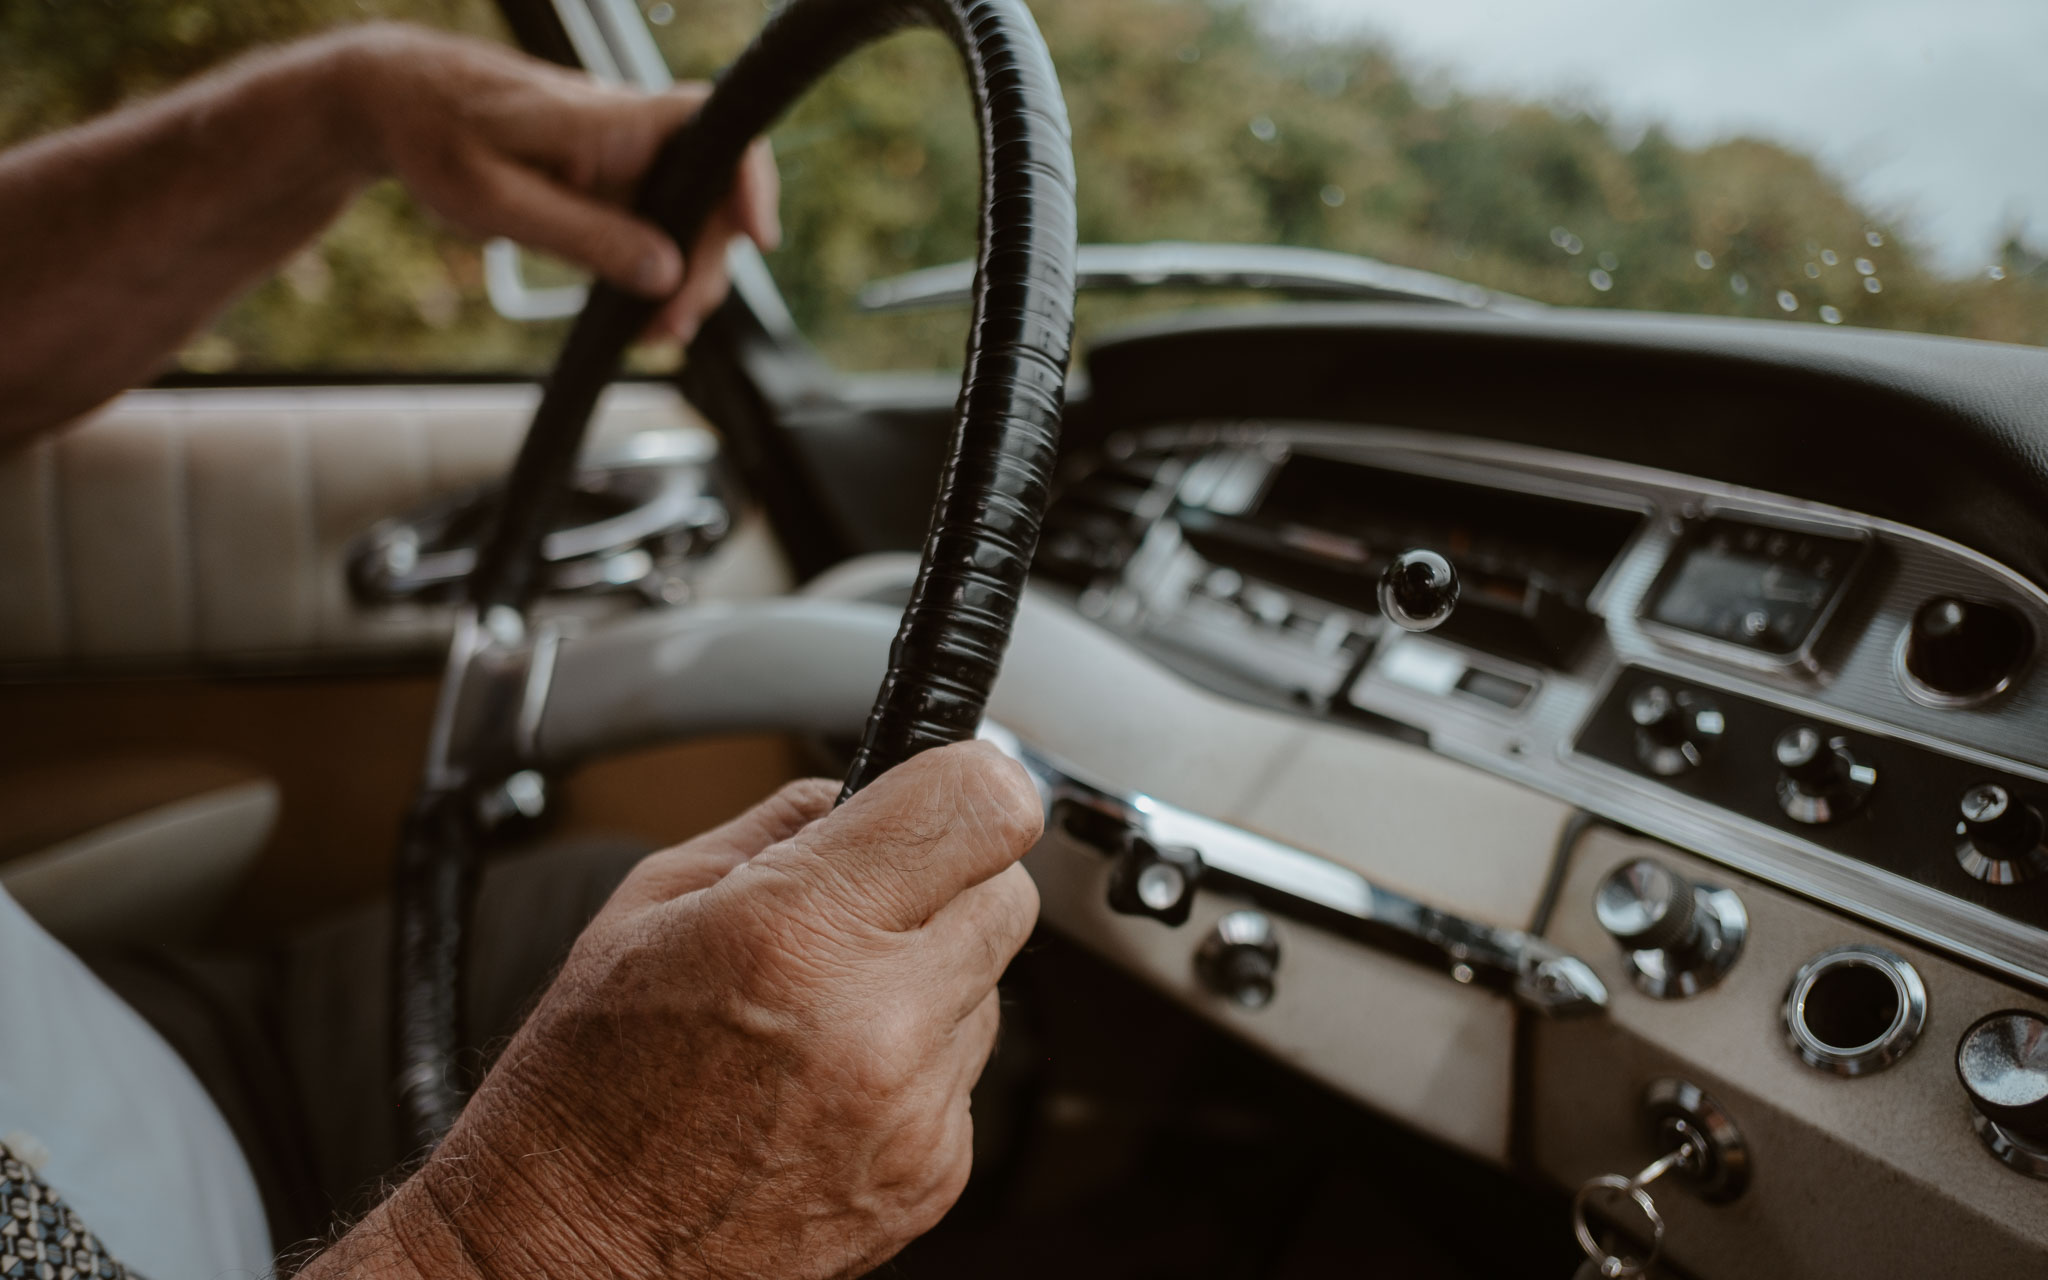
(1840,705)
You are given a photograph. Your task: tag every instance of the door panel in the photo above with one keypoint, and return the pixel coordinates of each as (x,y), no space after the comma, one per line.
(178,537)
(177,528)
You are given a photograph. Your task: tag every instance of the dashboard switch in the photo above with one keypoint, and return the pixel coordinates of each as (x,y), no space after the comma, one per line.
(1998,839)
(2003,1063)
(1680,937)
(1239,958)
(1156,880)
(1675,732)
(1819,780)
(1957,652)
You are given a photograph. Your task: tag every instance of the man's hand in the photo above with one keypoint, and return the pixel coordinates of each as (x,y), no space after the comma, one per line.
(757,1060)
(120,238)
(500,144)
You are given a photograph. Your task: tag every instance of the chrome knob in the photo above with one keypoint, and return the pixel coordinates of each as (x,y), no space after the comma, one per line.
(1680,937)
(1418,590)
(1819,780)
(2002,1061)
(1240,958)
(1156,880)
(1998,837)
(1647,907)
(1675,732)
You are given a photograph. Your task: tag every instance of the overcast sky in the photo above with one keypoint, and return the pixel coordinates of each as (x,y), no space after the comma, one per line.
(1936,111)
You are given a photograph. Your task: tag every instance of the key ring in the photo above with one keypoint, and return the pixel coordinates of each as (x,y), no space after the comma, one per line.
(1617,1266)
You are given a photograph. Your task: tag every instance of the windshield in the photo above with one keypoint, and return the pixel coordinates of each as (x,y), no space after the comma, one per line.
(1856,162)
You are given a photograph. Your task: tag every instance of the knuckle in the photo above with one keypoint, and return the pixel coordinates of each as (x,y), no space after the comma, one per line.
(1019,901)
(1002,797)
(803,801)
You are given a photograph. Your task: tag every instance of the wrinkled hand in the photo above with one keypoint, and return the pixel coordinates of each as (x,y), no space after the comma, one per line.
(503,144)
(757,1060)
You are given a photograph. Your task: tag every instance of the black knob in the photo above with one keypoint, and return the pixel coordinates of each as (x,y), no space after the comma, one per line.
(1418,590)
(1674,731)
(1647,907)
(1240,958)
(1961,650)
(2003,1062)
(1819,780)
(1999,836)
(1156,880)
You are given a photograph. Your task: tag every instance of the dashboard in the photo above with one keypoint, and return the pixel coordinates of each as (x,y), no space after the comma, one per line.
(1648,647)
(1715,807)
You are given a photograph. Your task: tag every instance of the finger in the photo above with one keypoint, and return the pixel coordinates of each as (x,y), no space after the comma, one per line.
(509,199)
(705,284)
(750,211)
(757,196)
(702,862)
(976,935)
(938,824)
(975,1038)
(599,138)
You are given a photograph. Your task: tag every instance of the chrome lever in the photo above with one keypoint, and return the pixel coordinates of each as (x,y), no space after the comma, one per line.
(1320,893)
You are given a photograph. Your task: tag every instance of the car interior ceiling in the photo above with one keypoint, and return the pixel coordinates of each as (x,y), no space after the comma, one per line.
(1710,815)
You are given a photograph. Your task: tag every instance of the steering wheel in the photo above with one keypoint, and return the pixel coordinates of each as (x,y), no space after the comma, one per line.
(992,493)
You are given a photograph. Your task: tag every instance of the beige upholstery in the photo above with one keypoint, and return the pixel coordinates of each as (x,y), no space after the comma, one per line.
(131,848)
(1397,1035)
(176,525)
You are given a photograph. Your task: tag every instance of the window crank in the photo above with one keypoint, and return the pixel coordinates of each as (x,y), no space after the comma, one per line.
(1692,1155)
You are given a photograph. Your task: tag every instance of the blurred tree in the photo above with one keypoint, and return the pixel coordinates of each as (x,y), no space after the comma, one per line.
(1191,121)
(387,289)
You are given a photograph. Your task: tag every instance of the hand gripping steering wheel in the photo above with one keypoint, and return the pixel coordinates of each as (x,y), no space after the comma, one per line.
(984,528)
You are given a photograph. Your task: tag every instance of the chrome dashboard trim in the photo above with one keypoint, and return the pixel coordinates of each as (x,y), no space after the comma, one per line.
(1533,972)
(1855,684)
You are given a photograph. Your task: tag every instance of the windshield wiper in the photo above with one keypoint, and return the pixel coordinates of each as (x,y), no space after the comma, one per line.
(1297,273)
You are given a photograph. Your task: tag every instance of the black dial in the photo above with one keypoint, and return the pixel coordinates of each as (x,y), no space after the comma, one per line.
(1819,780)
(1675,732)
(1960,650)
(1998,837)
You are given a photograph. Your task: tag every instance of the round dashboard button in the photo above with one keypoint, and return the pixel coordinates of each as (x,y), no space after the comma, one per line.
(1957,652)
(1999,836)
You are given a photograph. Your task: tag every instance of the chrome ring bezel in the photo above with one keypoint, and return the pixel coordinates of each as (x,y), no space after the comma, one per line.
(1927,697)
(1877,1054)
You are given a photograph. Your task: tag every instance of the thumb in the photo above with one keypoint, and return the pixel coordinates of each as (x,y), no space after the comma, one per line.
(924,832)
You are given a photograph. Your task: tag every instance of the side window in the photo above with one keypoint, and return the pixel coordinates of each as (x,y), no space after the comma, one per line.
(880,169)
(386,291)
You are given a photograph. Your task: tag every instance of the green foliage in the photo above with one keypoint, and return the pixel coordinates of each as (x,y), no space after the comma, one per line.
(387,288)
(1191,121)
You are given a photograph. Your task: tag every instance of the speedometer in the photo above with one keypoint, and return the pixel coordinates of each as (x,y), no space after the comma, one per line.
(1764,588)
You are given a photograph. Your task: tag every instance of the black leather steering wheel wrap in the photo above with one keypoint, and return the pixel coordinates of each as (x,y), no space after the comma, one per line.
(993,490)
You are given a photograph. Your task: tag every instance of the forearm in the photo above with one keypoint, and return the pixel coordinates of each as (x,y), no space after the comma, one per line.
(120,239)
